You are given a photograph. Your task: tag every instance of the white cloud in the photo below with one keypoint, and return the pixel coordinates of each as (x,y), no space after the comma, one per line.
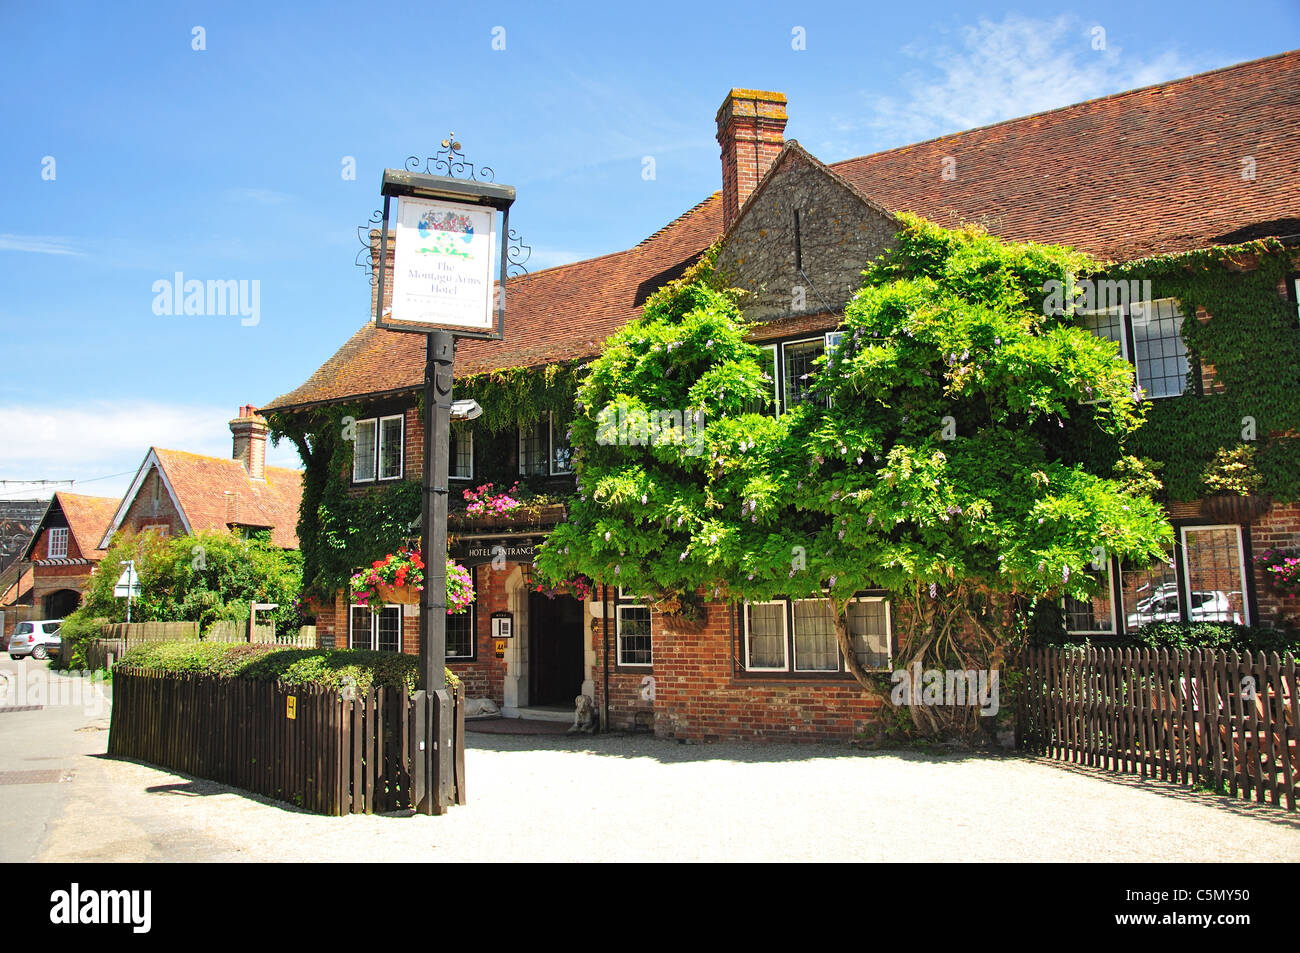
(38,244)
(90,441)
(1002,70)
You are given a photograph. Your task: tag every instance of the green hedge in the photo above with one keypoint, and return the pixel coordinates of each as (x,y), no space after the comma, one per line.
(1223,636)
(332,668)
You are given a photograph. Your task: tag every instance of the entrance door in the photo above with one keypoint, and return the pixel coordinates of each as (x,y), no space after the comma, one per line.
(554,650)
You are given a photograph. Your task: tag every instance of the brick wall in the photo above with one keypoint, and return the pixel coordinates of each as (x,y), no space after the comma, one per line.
(699,696)
(145,511)
(1279,528)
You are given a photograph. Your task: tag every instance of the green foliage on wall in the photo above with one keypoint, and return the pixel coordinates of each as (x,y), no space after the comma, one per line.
(515,396)
(340,529)
(1252,340)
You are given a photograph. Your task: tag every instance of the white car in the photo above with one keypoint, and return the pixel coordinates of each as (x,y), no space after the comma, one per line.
(37,639)
(1162,606)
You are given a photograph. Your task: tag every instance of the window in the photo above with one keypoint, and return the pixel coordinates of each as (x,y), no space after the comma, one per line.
(363,451)
(1096,615)
(804,630)
(561,452)
(1212,587)
(632,623)
(460,460)
(1149,335)
(869,627)
(391,446)
(797,359)
(460,630)
(380,631)
(769,404)
(543,450)
(1149,594)
(815,647)
(378,448)
(765,636)
(1216,574)
(58,539)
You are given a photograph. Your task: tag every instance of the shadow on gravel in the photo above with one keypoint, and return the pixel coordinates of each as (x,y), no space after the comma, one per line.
(1239,806)
(668,751)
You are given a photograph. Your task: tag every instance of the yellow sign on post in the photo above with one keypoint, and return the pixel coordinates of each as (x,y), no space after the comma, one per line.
(291,707)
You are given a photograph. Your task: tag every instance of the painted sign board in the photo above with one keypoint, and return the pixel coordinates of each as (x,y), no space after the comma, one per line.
(443,264)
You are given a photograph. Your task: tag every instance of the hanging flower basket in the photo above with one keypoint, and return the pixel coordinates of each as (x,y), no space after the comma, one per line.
(1235,508)
(402,595)
(398,578)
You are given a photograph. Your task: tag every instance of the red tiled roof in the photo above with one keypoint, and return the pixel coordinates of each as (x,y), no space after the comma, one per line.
(1145,172)
(1153,170)
(88,519)
(202,485)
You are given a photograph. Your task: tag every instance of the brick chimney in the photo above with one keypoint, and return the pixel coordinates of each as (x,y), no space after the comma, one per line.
(751,132)
(249,430)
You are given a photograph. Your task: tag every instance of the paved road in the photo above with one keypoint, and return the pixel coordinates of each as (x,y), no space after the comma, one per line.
(42,749)
(633,798)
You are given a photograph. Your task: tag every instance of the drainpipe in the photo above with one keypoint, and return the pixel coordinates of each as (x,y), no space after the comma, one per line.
(604,614)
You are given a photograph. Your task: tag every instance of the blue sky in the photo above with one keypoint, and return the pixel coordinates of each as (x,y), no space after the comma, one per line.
(226,163)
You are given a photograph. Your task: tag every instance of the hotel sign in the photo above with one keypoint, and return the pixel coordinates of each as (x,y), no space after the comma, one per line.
(443,264)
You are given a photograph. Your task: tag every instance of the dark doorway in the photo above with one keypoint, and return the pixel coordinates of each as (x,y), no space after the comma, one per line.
(61,603)
(554,650)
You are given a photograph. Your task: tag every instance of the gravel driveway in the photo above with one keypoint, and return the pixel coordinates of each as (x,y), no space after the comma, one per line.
(640,798)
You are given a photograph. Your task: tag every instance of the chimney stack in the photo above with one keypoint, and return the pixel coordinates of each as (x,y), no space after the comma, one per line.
(751,132)
(249,430)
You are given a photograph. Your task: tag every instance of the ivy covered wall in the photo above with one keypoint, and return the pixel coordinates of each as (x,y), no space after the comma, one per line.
(342,526)
(1250,344)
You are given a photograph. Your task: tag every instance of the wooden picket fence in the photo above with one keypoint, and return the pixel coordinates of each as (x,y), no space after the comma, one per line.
(1214,719)
(308,745)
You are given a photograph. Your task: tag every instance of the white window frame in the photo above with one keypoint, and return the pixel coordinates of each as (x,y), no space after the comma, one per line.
(794,640)
(1114,609)
(1126,334)
(373,645)
(473,632)
(775,396)
(550,454)
(889,630)
(544,451)
(785,634)
(379,447)
(1186,592)
(789,665)
(618,636)
(784,407)
(547,450)
(374,422)
(463,434)
(59,533)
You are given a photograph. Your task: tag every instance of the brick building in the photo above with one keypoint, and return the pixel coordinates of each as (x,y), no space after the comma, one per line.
(1155,171)
(175,493)
(65,551)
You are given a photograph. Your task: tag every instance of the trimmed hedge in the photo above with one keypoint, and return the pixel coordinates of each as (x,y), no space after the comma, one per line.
(332,668)
(1222,636)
